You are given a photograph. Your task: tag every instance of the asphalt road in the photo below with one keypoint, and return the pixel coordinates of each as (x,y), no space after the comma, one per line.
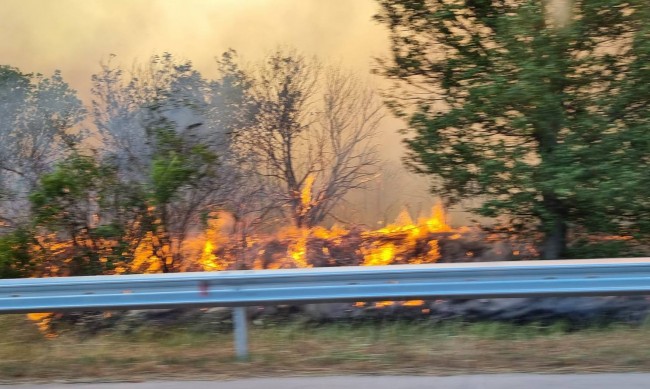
(494,381)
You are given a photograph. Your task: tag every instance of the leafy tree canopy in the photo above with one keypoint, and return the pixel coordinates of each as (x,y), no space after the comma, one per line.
(539,108)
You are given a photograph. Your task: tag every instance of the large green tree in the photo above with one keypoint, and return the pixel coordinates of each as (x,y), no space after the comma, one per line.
(540,109)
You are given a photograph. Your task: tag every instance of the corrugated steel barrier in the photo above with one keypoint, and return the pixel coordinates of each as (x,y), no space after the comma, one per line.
(615,276)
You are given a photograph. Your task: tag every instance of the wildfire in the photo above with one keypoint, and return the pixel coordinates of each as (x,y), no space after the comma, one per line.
(209,241)
(42,321)
(379,254)
(383,252)
(403,241)
(216,247)
(208,260)
(144,258)
(305,195)
(298,251)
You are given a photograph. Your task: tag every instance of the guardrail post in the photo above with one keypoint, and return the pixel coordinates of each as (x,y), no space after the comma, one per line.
(241,332)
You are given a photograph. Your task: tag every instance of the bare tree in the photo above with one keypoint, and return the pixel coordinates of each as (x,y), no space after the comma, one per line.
(278,145)
(347,156)
(313,135)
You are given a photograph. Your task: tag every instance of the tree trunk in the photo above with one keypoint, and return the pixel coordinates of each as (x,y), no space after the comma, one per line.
(554,246)
(555,229)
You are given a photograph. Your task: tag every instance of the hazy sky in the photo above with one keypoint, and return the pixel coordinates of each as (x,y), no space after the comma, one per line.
(75,35)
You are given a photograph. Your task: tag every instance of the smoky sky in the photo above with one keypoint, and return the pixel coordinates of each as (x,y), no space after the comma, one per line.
(75,35)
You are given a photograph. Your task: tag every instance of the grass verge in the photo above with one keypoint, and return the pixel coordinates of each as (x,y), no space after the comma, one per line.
(294,348)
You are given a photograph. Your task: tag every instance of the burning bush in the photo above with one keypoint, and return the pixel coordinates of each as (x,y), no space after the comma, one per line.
(428,240)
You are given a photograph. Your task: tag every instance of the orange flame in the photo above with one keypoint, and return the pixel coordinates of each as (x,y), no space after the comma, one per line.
(383,252)
(42,321)
(305,194)
(144,258)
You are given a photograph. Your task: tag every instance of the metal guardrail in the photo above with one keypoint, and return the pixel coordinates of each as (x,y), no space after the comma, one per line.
(616,276)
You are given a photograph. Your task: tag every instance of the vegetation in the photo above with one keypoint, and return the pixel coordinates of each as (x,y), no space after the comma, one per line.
(15,258)
(390,348)
(39,118)
(541,112)
(175,149)
(313,132)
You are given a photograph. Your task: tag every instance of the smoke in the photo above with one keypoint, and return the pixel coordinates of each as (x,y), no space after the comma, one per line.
(75,35)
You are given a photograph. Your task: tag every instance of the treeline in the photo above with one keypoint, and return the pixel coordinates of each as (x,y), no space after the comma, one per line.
(162,149)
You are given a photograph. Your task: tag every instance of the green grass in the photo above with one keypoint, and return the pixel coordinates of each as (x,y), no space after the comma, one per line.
(293,347)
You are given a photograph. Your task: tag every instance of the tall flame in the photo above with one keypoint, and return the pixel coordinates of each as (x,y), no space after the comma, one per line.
(306,193)
(210,240)
(298,250)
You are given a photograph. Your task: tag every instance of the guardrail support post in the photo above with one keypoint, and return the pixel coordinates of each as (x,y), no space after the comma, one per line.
(241,332)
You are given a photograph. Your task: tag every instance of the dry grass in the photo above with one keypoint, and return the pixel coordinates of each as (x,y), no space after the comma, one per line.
(297,349)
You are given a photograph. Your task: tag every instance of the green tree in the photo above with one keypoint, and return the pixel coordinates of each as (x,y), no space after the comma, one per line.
(179,171)
(15,257)
(539,108)
(77,222)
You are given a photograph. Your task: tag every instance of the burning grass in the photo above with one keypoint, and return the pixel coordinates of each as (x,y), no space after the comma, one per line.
(290,348)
